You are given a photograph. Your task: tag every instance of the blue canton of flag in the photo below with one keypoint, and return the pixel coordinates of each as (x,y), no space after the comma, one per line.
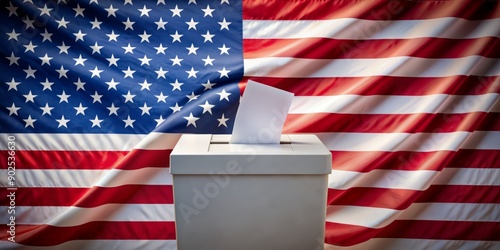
(120,66)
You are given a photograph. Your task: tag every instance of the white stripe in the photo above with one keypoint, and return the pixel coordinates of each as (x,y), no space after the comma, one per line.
(156,140)
(113,142)
(379,104)
(338,179)
(483,140)
(419,142)
(469,176)
(116,142)
(88,178)
(98,244)
(452,212)
(418,244)
(149,176)
(374,217)
(398,179)
(63,216)
(358,29)
(413,180)
(403,66)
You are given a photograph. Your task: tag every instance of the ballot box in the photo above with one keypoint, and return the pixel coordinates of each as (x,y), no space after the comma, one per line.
(250,196)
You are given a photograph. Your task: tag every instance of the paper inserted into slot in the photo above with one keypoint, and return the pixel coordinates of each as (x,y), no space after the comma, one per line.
(261,115)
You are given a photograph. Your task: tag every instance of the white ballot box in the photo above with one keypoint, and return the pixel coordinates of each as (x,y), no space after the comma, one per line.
(250,196)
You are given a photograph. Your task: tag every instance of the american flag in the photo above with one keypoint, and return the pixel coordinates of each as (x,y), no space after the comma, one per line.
(95,94)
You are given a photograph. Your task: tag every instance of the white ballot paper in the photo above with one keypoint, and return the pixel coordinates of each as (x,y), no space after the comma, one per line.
(261,114)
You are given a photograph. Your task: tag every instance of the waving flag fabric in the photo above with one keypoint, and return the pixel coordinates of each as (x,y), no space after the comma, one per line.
(95,94)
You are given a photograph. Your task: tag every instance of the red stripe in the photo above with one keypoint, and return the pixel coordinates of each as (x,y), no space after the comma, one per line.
(92,197)
(441,230)
(371,10)
(359,196)
(365,161)
(113,195)
(348,235)
(373,197)
(44,235)
(383,85)
(391,123)
(408,160)
(460,194)
(140,158)
(65,159)
(342,160)
(35,159)
(324,48)
(400,199)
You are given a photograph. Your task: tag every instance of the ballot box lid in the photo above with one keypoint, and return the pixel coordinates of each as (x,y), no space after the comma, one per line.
(213,154)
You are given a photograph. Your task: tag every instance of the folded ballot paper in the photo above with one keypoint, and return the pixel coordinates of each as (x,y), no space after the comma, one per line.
(261,115)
